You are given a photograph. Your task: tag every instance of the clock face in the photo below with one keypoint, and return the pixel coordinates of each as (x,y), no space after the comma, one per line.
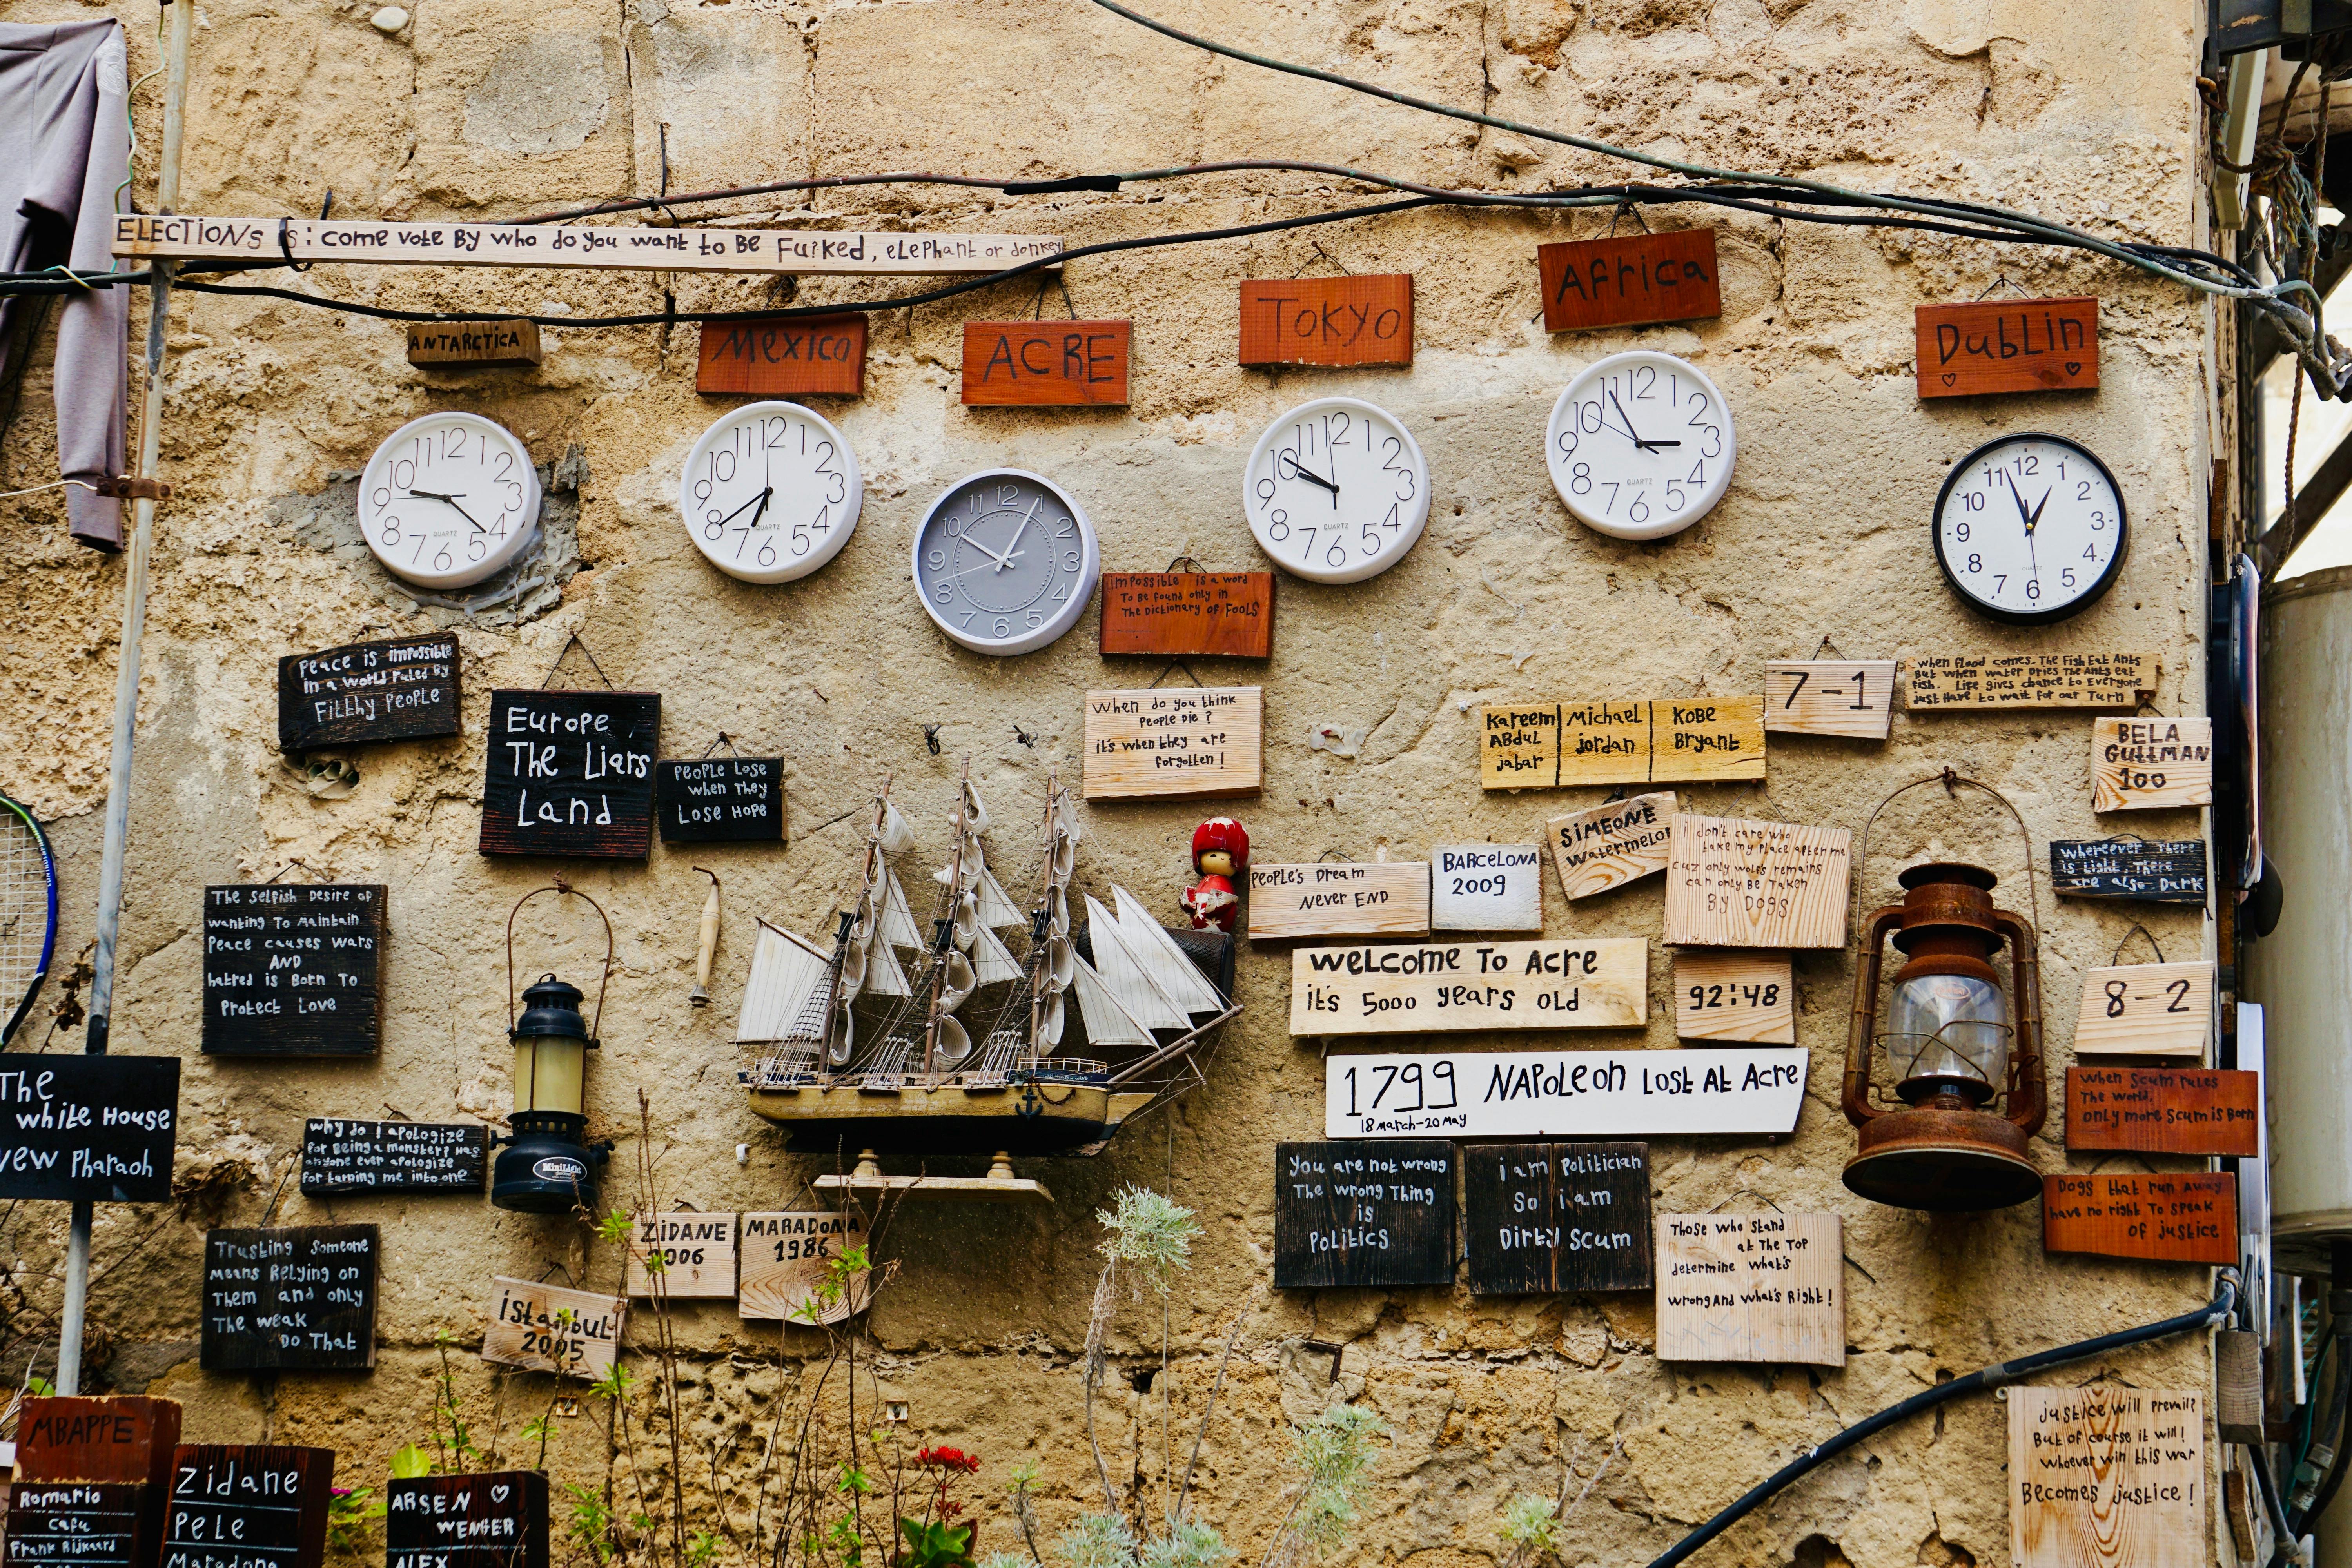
(1005,561)
(770,492)
(1336,490)
(1639,446)
(448,500)
(2029,529)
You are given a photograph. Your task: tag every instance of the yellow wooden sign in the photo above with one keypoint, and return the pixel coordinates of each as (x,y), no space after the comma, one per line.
(1175,741)
(1593,984)
(1544,745)
(1752,1286)
(785,1257)
(2099,679)
(1735,882)
(2147,1010)
(696,1252)
(1610,844)
(1338,898)
(2106,1476)
(1853,697)
(2140,765)
(546,1328)
(1734,995)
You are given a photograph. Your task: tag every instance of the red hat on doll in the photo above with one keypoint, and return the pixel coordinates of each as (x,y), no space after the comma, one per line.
(1221,833)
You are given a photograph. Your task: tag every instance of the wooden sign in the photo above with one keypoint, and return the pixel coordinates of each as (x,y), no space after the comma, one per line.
(784,1258)
(2141,764)
(2185,1218)
(1595,984)
(698,1256)
(1610,844)
(2008,345)
(1738,882)
(1752,1286)
(303,1297)
(2029,680)
(404,689)
(571,773)
(1348,1215)
(1629,281)
(81,1524)
(1486,886)
(1359,320)
(1735,996)
(2107,1477)
(1175,741)
(84,1129)
(1545,746)
(247,1506)
(546,1328)
(474,345)
(2147,1010)
(2156,871)
(340,1156)
(2165,1111)
(1338,898)
(1185,614)
(293,969)
(722,800)
(1567,1094)
(495,1519)
(784,356)
(1554,1218)
(1853,697)
(128,1438)
(1045,364)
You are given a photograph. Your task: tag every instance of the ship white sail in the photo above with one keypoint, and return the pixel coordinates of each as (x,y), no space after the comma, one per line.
(975,813)
(1144,1001)
(884,976)
(1161,957)
(897,921)
(1107,1023)
(786,975)
(997,908)
(991,961)
(897,836)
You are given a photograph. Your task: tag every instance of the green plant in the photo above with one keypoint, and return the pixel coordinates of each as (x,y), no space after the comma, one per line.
(1096,1541)
(1187,1544)
(1531,1524)
(589,1523)
(937,1544)
(409,1461)
(1333,1454)
(1150,1235)
(350,1511)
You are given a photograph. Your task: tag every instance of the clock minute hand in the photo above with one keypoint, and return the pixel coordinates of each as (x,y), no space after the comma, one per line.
(2034,522)
(452,502)
(1019,529)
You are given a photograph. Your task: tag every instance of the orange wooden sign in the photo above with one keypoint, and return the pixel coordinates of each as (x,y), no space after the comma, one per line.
(1177,614)
(1627,282)
(2164,1110)
(2008,345)
(128,1437)
(1348,320)
(2185,1218)
(794,355)
(1045,364)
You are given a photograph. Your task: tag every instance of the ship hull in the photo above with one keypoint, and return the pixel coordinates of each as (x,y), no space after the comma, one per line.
(1022,1119)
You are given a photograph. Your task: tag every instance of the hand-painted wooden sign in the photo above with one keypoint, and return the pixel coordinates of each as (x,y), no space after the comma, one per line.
(785,1257)
(1567,1094)
(300,1297)
(1184,614)
(2145,1010)
(1852,697)
(495,1519)
(571,773)
(2008,345)
(1736,882)
(128,1437)
(2106,1476)
(1629,281)
(2182,1218)
(1338,898)
(1752,1288)
(293,969)
(398,690)
(1175,741)
(2102,680)
(1045,364)
(697,1253)
(81,1524)
(1363,320)
(2156,871)
(1348,1213)
(784,356)
(247,1506)
(2142,764)
(340,1156)
(1609,846)
(2165,1111)
(1486,886)
(1734,995)
(546,1328)
(720,800)
(1545,746)
(1594,984)
(88,1129)
(474,345)
(1556,1217)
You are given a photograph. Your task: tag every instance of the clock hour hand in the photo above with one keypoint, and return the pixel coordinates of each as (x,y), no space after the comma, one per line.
(1300,470)
(2022,515)
(451,500)
(2034,520)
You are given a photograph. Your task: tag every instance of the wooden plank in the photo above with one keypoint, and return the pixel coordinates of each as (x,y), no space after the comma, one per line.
(2008,345)
(1546,1218)
(2105,1476)
(1572,1094)
(293,969)
(1169,741)
(547,1328)
(2166,871)
(1752,1288)
(1591,984)
(2143,764)
(1852,697)
(782,357)
(401,690)
(1739,882)
(1344,898)
(720,800)
(2165,1111)
(1734,995)
(1185,614)
(474,345)
(301,1298)
(785,1255)
(1629,281)
(2093,680)
(247,1506)
(88,1129)
(1609,846)
(571,773)
(81,1524)
(1345,1214)
(2182,1218)
(1046,364)
(340,1156)
(1486,886)
(127,1437)
(1361,319)
(698,1253)
(1545,745)
(2147,1010)
(493,1519)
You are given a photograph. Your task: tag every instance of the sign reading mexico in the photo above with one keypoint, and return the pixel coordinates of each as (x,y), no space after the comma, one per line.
(1563,1094)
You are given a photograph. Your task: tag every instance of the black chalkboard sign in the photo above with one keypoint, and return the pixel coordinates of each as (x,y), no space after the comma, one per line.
(247,1506)
(301,1297)
(1546,1218)
(722,800)
(88,1129)
(396,691)
(1363,1214)
(571,773)
(393,1156)
(493,1519)
(80,1524)
(293,971)
(2170,871)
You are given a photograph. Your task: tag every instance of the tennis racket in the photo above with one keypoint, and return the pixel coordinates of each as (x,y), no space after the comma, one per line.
(29,912)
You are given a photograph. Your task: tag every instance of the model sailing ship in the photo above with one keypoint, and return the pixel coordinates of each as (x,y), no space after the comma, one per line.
(960,1045)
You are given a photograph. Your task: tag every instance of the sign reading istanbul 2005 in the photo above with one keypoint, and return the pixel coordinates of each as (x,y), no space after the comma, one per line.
(571,773)
(1601,984)
(1545,746)
(1205,741)
(1564,1094)
(547,1328)
(2138,764)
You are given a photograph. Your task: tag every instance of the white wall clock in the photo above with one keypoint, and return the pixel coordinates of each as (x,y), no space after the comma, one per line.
(770,492)
(1005,561)
(1337,490)
(447,499)
(1640,445)
(2029,529)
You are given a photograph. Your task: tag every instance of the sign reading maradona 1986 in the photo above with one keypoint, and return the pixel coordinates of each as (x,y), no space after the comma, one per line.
(1563,1094)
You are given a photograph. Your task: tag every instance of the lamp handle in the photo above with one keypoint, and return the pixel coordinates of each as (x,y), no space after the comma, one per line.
(560,886)
(1949,779)
(1854,1094)
(2029,1087)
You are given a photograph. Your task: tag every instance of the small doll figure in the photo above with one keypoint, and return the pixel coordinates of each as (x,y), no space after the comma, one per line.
(1220,853)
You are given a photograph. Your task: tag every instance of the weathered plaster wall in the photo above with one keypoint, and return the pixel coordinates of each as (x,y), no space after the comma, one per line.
(491,107)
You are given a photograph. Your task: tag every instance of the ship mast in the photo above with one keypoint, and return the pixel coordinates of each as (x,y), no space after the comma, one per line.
(943,932)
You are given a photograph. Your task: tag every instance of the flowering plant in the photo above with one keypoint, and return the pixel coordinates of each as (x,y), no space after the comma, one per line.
(934,1540)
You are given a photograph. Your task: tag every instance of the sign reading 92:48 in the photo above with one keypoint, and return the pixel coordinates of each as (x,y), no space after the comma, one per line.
(1596,984)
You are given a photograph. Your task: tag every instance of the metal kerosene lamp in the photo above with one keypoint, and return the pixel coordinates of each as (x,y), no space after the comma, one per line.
(548,1164)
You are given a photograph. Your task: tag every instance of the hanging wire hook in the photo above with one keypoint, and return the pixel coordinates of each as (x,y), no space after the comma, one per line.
(1951,781)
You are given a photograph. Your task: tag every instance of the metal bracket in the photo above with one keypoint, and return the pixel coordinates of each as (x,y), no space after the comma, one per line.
(128,487)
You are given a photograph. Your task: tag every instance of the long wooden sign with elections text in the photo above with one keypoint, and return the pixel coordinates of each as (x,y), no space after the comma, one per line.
(1596,984)
(1564,1094)
(1545,746)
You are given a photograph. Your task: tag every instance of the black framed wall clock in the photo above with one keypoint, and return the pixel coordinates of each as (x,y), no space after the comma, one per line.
(2029,529)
